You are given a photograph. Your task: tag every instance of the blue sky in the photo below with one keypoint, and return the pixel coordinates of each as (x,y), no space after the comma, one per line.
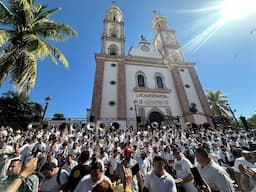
(224,62)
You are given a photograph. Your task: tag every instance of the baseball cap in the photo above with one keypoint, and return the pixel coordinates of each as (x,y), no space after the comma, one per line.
(128,151)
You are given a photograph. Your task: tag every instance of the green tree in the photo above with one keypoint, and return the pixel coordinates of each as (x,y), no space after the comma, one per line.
(17,111)
(218,103)
(23,41)
(58,116)
(252,120)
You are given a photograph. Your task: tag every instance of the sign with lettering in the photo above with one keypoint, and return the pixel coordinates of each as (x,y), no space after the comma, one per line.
(150,99)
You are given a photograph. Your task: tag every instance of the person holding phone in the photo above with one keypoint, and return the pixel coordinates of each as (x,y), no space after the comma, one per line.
(181,167)
(159,180)
(199,183)
(244,166)
(212,173)
(23,179)
(129,162)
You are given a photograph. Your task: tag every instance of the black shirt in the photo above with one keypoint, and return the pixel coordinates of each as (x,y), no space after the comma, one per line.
(77,173)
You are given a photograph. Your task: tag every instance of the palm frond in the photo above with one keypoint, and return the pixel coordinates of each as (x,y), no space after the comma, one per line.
(30,43)
(53,31)
(25,70)
(31,28)
(6,63)
(217,102)
(45,15)
(24,4)
(5,14)
(55,53)
(59,55)
(4,36)
(38,9)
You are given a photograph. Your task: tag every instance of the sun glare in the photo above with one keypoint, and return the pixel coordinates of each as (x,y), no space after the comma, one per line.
(230,10)
(237,9)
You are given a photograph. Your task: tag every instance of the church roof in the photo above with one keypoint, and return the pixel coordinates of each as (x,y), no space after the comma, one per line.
(145,50)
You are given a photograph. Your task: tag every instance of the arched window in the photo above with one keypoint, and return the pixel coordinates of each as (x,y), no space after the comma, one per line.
(113,32)
(159,82)
(112,50)
(141,81)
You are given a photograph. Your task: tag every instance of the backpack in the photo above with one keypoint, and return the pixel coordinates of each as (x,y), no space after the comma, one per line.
(64,187)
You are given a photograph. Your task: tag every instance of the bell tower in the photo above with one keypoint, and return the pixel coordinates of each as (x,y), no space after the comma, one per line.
(109,93)
(186,83)
(165,41)
(113,34)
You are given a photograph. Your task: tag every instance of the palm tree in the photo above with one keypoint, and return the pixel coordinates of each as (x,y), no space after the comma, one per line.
(218,103)
(24,40)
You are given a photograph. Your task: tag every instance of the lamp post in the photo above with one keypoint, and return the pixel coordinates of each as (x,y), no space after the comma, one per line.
(88,114)
(233,114)
(135,102)
(47,101)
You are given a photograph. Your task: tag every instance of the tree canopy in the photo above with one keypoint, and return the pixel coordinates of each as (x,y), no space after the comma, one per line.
(218,103)
(24,40)
(17,111)
(58,116)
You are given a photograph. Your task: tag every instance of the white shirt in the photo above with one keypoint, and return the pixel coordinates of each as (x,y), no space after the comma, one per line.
(113,161)
(182,167)
(216,177)
(144,165)
(246,164)
(68,167)
(165,183)
(52,183)
(86,184)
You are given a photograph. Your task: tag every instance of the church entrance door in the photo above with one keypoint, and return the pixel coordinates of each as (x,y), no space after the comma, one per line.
(155,117)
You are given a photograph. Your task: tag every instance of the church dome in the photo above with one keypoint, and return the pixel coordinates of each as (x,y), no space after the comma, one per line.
(114,14)
(159,22)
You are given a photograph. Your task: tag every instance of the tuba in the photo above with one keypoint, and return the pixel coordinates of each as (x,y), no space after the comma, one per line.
(115,126)
(188,124)
(155,125)
(101,127)
(90,126)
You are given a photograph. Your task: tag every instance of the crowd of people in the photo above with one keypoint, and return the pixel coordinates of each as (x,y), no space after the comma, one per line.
(152,160)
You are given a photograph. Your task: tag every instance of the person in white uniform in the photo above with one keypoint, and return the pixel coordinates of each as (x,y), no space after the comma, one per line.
(55,177)
(245,168)
(159,180)
(88,182)
(182,167)
(212,173)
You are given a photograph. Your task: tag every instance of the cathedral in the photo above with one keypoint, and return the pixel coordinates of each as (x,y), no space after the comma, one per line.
(151,85)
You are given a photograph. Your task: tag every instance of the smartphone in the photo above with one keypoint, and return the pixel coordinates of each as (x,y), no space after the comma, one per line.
(135,169)
(197,177)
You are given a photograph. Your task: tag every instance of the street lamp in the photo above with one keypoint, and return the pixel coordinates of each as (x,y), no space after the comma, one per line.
(88,114)
(233,114)
(135,102)
(47,101)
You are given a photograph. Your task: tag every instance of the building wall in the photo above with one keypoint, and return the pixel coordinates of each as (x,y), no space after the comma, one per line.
(151,98)
(192,94)
(109,92)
